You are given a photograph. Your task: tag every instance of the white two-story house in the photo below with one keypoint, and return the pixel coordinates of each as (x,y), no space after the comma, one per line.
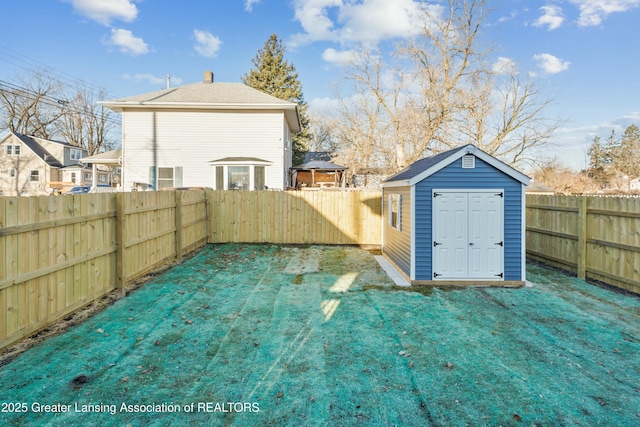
(208,134)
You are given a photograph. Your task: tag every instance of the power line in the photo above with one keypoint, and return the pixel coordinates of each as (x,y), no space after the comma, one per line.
(34,66)
(49,100)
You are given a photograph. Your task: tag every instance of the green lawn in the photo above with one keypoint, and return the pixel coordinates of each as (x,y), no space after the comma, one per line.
(253,335)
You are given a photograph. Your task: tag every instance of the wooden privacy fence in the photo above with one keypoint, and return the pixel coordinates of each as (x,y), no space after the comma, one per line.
(60,253)
(297,217)
(595,237)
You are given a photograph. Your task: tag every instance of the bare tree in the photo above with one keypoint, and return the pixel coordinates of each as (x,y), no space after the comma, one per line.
(40,105)
(32,105)
(507,118)
(553,173)
(437,91)
(84,122)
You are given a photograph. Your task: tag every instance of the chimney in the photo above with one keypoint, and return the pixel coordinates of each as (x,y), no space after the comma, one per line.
(208,77)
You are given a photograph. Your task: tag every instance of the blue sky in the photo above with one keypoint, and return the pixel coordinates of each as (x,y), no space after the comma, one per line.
(586,53)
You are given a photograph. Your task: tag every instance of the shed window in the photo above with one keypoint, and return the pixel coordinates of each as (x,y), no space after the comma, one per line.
(468,162)
(395,211)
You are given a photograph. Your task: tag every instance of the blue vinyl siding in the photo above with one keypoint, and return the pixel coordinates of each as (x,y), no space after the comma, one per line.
(397,243)
(483,176)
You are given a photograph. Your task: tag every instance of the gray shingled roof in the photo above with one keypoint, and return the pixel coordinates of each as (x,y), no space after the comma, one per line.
(317,155)
(205,93)
(422,165)
(39,150)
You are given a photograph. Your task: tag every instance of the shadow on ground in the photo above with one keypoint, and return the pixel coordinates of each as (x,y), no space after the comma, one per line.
(266,335)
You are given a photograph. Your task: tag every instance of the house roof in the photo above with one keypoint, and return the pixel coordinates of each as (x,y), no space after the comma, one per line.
(317,155)
(113,157)
(240,161)
(426,167)
(213,95)
(32,143)
(319,165)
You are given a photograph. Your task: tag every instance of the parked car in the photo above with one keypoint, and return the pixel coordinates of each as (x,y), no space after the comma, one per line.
(79,190)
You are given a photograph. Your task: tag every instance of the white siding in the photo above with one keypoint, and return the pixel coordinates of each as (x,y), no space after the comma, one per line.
(191,139)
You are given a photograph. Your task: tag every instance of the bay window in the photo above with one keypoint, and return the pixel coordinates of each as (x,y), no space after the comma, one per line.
(240,173)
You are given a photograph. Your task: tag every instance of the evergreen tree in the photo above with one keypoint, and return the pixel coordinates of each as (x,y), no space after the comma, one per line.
(626,154)
(599,162)
(272,74)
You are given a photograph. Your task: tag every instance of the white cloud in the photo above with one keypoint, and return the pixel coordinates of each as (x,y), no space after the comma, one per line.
(339,57)
(366,21)
(207,44)
(550,64)
(127,42)
(592,12)
(313,16)
(552,17)
(374,20)
(512,15)
(151,79)
(104,11)
(248,5)
(503,66)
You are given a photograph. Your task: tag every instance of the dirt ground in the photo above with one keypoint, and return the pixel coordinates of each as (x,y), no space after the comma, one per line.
(254,335)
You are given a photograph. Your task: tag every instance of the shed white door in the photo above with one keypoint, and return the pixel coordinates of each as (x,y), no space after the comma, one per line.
(468,241)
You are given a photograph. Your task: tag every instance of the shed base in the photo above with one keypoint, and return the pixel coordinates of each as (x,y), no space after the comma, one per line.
(470,283)
(457,283)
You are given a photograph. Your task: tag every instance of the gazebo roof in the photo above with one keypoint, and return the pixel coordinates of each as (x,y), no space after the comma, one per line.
(319,165)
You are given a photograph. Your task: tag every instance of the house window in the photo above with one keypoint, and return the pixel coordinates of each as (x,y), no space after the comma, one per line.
(87,176)
(12,173)
(165,178)
(34,176)
(76,154)
(240,173)
(258,177)
(239,178)
(102,177)
(12,150)
(395,211)
(73,177)
(219,177)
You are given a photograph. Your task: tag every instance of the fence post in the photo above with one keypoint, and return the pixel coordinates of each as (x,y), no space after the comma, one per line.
(121,281)
(209,214)
(582,237)
(178,225)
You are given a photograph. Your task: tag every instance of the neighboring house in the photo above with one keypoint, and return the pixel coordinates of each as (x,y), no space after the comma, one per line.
(219,135)
(457,218)
(36,166)
(110,163)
